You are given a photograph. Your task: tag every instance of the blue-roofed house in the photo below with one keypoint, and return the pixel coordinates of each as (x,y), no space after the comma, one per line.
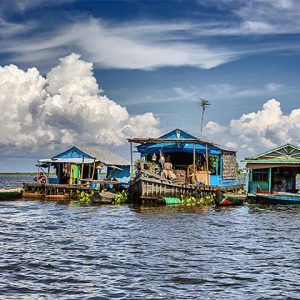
(193,159)
(80,164)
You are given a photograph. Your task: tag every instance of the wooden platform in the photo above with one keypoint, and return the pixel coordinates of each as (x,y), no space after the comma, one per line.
(53,191)
(63,192)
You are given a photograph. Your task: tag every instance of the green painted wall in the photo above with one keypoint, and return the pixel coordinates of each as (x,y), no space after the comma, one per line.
(254,184)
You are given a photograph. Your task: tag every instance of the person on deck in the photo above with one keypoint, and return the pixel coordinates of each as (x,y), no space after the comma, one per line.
(42,178)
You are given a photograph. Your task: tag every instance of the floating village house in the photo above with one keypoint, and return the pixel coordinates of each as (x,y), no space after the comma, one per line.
(274,170)
(79,165)
(194,162)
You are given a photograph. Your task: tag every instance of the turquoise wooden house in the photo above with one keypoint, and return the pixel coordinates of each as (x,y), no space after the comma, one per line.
(274,170)
(188,153)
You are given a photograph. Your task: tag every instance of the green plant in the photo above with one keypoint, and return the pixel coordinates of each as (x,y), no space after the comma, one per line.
(204,201)
(120,198)
(239,170)
(212,164)
(84,198)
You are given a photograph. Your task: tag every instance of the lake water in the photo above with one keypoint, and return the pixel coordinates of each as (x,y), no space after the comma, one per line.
(60,251)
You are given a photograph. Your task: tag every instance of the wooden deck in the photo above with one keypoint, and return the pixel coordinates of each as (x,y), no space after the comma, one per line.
(53,191)
(63,192)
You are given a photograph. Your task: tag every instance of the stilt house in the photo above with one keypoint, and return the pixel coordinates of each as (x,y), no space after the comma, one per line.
(81,164)
(274,170)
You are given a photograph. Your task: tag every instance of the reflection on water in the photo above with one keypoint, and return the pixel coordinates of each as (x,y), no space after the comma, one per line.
(51,251)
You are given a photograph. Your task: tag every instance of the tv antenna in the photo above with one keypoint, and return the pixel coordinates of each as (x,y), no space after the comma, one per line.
(203,103)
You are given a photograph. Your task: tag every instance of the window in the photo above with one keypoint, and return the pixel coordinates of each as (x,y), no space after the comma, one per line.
(260,175)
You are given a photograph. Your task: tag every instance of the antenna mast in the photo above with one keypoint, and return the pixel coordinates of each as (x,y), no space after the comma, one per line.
(203,103)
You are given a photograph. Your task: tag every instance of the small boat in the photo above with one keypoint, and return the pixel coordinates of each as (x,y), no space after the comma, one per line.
(233,199)
(10,194)
(278,198)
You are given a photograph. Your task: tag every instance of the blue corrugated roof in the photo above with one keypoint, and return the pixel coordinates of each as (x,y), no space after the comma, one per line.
(177,134)
(169,147)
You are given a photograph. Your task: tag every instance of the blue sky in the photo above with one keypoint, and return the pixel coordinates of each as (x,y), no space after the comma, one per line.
(157,57)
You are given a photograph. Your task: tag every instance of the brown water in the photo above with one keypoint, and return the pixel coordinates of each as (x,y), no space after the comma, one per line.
(59,251)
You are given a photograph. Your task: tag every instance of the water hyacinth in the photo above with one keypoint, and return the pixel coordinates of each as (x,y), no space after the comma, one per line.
(204,201)
(84,198)
(120,198)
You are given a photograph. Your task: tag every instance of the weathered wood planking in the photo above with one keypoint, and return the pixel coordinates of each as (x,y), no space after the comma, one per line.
(146,189)
(228,165)
(52,191)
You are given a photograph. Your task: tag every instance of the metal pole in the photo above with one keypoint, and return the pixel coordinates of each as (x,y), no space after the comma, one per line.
(202,116)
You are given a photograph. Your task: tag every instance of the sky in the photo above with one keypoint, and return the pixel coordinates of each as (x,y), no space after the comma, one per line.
(97,72)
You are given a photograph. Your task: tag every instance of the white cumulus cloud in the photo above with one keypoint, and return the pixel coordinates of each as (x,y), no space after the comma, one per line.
(257,131)
(64,107)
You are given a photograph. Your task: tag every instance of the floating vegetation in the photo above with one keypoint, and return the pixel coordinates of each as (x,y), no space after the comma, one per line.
(120,198)
(84,198)
(190,201)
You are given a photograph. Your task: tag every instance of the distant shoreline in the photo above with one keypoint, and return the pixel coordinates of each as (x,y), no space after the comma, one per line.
(21,174)
(18,174)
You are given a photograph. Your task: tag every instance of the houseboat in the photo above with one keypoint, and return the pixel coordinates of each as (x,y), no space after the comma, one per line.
(179,164)
(271,175)
(78,169)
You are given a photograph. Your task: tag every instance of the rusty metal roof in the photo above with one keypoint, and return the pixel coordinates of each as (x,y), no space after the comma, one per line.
(105,156)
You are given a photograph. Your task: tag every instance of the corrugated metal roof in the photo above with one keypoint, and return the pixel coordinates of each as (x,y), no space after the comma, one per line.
(273,161)
(105,156)
(283,150)
(66,160)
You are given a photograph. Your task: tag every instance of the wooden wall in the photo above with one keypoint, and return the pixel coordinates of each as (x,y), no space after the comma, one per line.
(228,165)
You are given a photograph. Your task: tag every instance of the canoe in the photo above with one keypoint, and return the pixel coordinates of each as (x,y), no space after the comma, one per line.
(279,198)
(233,199)
(10,194)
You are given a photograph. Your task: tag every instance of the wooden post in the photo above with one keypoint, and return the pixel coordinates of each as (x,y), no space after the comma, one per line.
(48,172)
(94,166)
(89,171)
(131,161)
(194,164)
(82,168)
(221,167)
(247,181)
(270,180)
(206,154)
(58,172)
(38,171)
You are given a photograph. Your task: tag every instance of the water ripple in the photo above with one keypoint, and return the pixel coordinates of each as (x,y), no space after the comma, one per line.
(52,251)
